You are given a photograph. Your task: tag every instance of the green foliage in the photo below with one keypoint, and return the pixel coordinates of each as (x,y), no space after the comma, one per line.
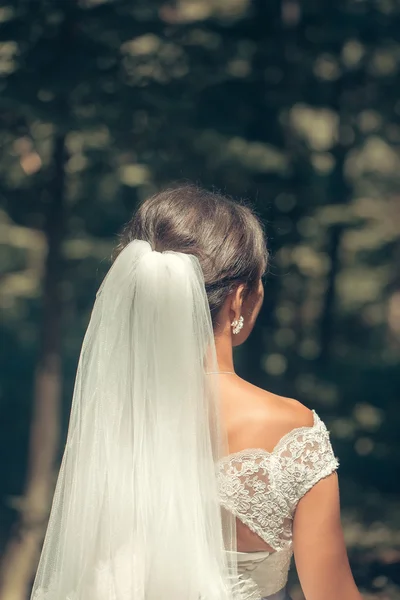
(293,105)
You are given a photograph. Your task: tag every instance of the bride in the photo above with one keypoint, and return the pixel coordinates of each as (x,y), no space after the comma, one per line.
(180,480)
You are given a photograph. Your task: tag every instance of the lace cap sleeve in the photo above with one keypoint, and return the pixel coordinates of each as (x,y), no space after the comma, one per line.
(307,457)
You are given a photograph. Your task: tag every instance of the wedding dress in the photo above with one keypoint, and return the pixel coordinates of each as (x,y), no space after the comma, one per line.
(262,490)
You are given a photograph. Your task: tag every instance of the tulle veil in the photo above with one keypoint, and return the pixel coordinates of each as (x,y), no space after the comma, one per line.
(135,514)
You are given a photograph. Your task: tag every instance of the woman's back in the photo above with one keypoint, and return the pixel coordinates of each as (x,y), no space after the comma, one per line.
(257,422)
(279,453)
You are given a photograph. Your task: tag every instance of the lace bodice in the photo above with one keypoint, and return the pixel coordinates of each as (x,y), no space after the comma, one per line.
(262,490)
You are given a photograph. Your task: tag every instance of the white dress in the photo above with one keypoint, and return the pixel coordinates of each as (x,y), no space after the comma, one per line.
(262,490)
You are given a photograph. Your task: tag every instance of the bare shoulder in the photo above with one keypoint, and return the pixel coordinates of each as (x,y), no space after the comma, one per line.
(264,418)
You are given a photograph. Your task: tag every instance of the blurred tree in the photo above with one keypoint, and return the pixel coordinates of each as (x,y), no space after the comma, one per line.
(292,104)
(21,554)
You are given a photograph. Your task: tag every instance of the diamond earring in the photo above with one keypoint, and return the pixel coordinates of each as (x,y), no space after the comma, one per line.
(237,325)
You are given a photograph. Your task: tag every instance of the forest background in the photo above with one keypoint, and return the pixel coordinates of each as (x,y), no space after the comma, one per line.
(292,105)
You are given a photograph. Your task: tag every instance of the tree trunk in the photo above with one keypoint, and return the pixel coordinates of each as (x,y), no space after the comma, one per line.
(327,324)
(20,558)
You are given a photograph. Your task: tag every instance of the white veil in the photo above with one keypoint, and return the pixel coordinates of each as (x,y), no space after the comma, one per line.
(135,514)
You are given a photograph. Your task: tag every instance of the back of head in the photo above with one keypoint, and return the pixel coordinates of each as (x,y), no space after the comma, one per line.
(226,237)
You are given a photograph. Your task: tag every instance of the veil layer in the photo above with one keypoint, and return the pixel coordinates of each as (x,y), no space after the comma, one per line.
(135,514)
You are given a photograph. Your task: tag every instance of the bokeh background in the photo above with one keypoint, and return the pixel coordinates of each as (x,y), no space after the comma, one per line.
(291,104)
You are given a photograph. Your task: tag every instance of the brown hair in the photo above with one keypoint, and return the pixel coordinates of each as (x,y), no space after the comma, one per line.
(225,236)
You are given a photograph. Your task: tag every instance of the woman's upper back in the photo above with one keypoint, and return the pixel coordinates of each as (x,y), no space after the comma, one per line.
(278,451)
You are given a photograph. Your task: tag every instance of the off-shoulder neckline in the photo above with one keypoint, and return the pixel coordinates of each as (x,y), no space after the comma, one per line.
(261,451)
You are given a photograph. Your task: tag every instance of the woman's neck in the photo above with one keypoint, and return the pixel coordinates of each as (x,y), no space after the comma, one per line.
(223,346)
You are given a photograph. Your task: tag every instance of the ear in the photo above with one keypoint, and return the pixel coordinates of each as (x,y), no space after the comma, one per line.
(236,302)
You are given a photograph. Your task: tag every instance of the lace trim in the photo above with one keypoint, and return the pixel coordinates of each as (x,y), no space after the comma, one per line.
(323,474)
(263,488)
(253,525)
(257,452)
